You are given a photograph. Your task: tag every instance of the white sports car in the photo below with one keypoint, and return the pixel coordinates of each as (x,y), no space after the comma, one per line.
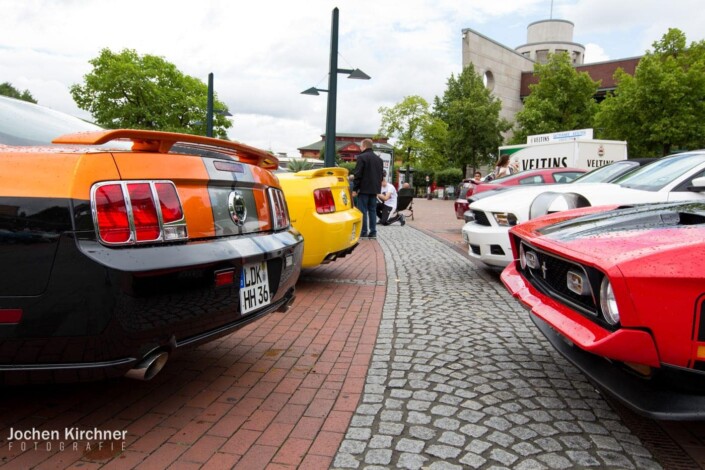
(668,179)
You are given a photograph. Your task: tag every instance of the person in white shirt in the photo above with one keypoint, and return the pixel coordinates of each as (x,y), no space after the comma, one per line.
(387,205)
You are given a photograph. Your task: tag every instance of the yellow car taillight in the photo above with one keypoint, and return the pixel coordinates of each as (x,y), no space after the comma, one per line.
(325,204)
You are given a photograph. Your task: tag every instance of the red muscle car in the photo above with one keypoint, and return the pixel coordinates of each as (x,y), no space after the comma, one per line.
(620,292)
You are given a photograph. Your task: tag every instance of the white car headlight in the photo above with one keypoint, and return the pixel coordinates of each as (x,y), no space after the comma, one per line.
(505,219)
(608,302)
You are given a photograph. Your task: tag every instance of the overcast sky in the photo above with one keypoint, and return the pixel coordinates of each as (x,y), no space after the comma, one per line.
(264,53)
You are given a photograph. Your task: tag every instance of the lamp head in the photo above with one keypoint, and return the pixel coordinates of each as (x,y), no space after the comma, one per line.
(311,91)
(359,75)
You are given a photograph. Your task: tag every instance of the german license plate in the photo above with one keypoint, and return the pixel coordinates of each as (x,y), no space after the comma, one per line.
(254,287)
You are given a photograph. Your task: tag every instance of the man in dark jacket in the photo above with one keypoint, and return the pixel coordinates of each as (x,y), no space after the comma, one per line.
(367,185)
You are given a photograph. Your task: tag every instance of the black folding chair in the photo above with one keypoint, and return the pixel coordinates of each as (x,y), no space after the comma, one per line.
(405,202)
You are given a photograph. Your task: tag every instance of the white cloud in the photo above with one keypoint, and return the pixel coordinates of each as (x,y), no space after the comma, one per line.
(595,53)
(263,54)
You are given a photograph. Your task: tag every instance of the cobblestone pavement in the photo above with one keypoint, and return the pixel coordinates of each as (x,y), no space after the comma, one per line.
(460,378)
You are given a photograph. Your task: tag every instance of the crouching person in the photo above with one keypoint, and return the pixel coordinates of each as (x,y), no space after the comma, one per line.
(387,205)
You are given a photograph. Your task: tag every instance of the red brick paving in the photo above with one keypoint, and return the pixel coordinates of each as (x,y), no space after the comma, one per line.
(277,394)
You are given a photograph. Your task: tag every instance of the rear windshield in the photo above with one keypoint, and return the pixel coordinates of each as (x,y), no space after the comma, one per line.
(23,123)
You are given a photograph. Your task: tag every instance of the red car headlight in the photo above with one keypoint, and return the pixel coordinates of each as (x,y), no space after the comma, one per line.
(608,302)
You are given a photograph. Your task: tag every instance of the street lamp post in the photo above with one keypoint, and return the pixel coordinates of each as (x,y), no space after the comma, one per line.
(329,155)
(209,108)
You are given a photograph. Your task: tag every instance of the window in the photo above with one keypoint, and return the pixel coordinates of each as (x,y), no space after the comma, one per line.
(661,173)
(536,179)
(542,56)
(566,176)
(488,80)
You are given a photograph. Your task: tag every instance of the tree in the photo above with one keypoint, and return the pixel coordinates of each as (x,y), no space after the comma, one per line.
(473,126)
(435,142)
(322,154)
(562,100)
(6,89)
(146,92)
(405,122)
(662,107)
(299,165)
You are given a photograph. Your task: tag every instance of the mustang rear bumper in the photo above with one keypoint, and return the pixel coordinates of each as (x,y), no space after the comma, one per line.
(330,236)
(105,308)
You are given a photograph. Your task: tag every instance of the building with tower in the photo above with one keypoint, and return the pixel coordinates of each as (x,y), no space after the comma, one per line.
(508,72)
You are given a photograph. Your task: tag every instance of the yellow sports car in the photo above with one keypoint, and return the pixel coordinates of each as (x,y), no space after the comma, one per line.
(321,208)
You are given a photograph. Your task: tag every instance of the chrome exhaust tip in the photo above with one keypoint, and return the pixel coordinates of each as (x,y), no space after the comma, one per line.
(148,367)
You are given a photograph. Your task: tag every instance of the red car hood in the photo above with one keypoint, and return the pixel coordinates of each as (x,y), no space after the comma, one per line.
(614,236)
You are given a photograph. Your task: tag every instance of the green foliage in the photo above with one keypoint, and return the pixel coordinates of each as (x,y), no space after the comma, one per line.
(405,122)
(449,177)
(6,89)
(562,100)
(473,128)
(299,165)
(435,140)
(350,166)
(662,107)
(146,92)
(420,175)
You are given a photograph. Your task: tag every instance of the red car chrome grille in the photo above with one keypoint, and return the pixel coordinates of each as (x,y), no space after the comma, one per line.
(549,276)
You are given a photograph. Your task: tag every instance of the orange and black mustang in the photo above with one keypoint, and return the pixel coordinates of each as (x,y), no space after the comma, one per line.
(120,247)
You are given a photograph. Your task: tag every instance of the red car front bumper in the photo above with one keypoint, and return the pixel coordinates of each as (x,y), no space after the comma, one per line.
(670,392)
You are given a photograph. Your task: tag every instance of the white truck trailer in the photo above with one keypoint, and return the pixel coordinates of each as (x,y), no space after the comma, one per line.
(574,153)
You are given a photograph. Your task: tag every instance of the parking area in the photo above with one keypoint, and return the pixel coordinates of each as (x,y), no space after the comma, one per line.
(404,354)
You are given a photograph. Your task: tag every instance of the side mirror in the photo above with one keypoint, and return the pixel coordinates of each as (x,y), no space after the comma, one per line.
(697,185)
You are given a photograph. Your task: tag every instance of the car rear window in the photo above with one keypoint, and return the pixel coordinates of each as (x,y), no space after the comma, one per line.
(566,176)
(536,179)
(23,123)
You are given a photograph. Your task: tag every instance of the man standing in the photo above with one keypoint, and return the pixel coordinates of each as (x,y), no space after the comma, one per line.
(367,185)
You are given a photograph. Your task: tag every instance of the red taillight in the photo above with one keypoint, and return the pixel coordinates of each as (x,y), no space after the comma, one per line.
(224,278)
(169,202)
(325,203)
(10,315)
(111,210)
(138,212)
(280,214)
(144,211)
